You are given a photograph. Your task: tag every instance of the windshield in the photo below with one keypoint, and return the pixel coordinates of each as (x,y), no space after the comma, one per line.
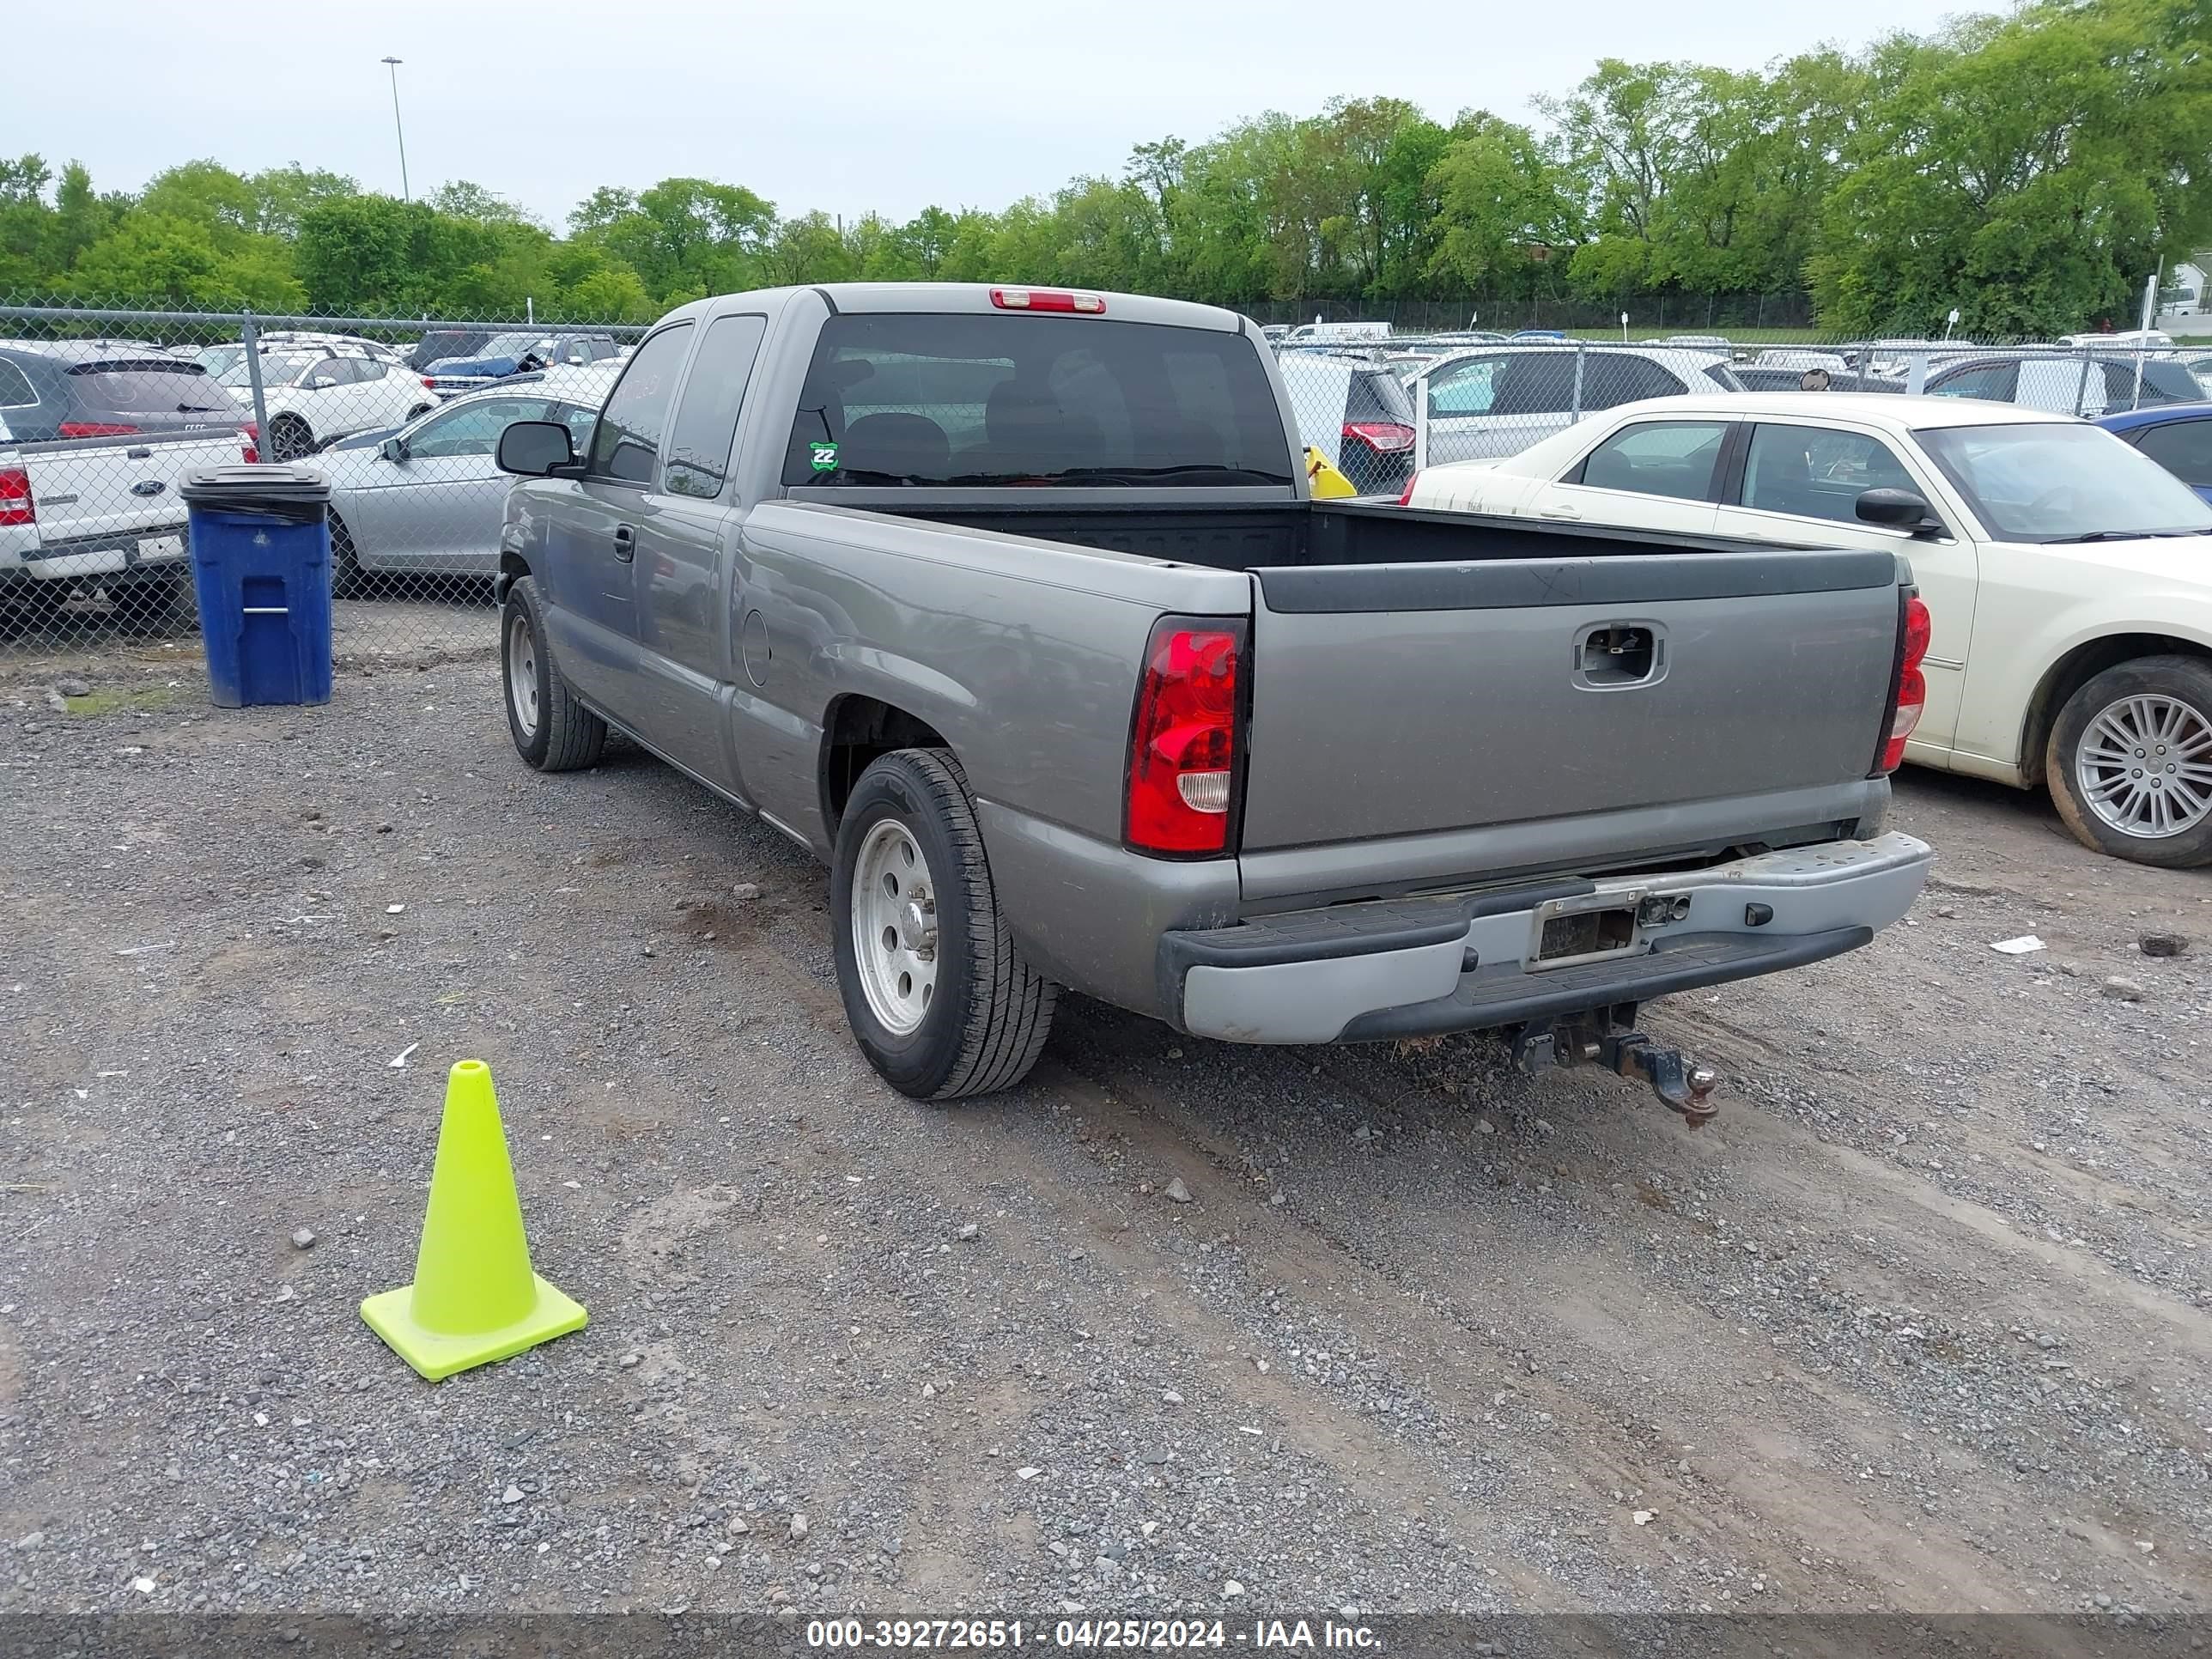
(2058,480)
(217,360)
(278,367)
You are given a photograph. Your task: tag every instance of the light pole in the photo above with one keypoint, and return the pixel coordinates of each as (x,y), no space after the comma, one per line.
(392,64)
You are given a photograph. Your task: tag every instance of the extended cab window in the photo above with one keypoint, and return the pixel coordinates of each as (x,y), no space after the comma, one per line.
(923,398)
(707,423)
(627,442)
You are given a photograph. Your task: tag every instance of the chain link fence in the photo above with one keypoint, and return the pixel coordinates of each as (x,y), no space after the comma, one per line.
(104,413)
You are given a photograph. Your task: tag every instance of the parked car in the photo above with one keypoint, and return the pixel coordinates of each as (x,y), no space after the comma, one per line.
(1321,333)
(98,520)
(428,496)
(2128,340)
(312,396)
(1755,377)
(2199,363)
(97,389)
(2069,385)
(1537,334)
(1800,358)
(2069,578)
(1719,342)
(441,344)
(516,354)
(1501,399)
(2178,436)
(1071,698)
(1354,413)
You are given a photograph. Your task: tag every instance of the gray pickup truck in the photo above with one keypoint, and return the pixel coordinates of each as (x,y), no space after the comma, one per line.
(1012,604)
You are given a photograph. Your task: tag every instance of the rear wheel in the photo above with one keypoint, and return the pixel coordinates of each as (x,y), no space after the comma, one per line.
(290,438)
(551,730)
(346,577)
(2130,762)
(939,1000)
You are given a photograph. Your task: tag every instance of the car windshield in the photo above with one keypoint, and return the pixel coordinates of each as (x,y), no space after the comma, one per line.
(2057,481)
(278,367)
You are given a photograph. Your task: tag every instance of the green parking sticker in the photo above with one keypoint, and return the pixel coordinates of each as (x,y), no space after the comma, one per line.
(824,457)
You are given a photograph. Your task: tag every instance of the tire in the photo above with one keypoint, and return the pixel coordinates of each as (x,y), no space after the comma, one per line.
(158,605)
(2154,710)
(347,578)
(982,1018)
(552,731)
(290,438)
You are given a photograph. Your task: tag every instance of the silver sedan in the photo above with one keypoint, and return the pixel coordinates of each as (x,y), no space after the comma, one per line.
(427,497)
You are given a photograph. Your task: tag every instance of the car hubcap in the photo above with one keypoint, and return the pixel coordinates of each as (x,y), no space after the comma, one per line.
(522,674)
(2145,767)
(895,927)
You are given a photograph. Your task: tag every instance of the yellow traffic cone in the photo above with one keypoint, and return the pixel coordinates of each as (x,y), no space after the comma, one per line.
(474,1298)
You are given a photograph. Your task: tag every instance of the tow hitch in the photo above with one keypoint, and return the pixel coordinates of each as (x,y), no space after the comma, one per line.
(1681,1086)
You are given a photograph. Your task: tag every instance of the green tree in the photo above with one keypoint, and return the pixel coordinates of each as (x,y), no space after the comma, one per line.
(162,259)
(1504,207)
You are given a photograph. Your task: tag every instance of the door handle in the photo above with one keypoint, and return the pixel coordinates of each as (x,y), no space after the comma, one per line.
(1558,513)
(625,543)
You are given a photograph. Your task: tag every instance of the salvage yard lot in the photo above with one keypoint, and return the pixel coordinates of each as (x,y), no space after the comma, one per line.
(1920,1321)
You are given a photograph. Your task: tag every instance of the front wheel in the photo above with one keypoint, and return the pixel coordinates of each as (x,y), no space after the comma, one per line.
(938,998)
(551,730)
(290,438)
(2130,762)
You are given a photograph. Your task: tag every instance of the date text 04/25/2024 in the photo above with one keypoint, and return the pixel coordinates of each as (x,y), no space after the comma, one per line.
(1120,1634)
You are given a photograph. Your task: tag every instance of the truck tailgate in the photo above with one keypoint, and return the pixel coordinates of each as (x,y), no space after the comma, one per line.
(1415,722)
(106,486)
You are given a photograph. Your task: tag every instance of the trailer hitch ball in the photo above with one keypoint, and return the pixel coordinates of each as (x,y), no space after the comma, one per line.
(1681,1087)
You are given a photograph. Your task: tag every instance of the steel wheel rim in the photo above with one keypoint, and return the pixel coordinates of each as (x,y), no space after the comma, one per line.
(894,931)
(522,673)
(2144,765)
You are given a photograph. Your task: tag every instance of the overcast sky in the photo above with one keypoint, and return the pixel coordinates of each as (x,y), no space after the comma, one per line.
(844,105)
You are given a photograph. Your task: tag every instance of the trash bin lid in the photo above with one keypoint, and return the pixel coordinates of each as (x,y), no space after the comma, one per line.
(274,486)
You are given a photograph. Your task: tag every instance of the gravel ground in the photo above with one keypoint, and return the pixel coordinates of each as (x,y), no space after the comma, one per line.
(1918,1323)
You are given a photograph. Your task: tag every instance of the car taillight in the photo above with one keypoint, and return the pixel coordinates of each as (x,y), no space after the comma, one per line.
(1047,299)
(16,504)
(249,444)
(1912,683)
(1182,745)
(93,429)
(428,381)
(1406,495)
(1384,437)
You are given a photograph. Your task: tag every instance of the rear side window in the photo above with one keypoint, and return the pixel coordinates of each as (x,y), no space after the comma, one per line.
(901,399)
(707,421)
(1535,383)
(1656,458)
(2183,448)
(1376,395)
(2164,381)
(1992,380)
(147,389)
(626,444)
(1608,380)
(1468,388)
(14,387)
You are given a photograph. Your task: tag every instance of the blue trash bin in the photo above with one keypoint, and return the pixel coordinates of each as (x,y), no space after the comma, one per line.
(261,570)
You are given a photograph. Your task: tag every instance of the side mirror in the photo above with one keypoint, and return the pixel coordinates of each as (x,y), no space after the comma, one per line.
(393,449)
(536,449)
(1902,509)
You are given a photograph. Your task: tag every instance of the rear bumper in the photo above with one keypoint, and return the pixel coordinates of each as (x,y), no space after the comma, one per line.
(1416,967)
(153,549)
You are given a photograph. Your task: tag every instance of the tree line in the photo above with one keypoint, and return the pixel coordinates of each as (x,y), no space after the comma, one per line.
(2030,170)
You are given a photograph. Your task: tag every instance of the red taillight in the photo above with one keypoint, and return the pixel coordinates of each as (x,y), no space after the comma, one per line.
(93,429)
(1384,437)
(249,443)
(1047,299)
(1912,683)
(16,504)
(1406,495)
(428,381)
(1182,748)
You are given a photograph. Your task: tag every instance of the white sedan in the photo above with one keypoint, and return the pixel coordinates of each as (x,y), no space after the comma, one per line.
(315,393)
(2067,576)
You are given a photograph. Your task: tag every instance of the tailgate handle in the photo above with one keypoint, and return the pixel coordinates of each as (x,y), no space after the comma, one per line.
(1613,656)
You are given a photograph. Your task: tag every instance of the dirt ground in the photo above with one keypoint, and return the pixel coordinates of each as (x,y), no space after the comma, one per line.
(1918,1323)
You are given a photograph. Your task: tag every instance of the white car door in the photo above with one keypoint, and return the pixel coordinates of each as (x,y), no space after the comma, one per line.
(1497,403)
(1800,483)
(386,394)
(1649,474)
